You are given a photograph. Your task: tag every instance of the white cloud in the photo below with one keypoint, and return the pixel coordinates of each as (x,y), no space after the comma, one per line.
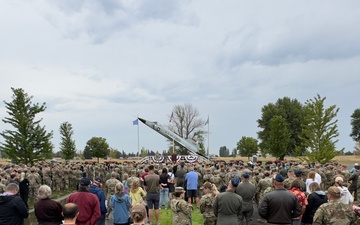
(98,64)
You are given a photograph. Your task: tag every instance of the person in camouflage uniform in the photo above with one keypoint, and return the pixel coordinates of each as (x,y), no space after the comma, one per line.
(334,212)
(2,187)
(329,177)
(72,179)
(217,180)
(56,178)
(110,190)
(47,176)
(208,175)
(65,178)
(290,179)
(207,203)
(263,184)
(181,209)
(131,179)
(34,183)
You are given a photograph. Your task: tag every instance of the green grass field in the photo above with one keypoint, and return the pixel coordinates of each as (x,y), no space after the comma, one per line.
(166,217)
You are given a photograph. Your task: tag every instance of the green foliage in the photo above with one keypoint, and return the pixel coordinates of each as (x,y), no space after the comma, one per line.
(114,153)
(67,144)
(224,152)
(247,146)
(200,139)
(357,149)
(28,142)
(320,130)
(355,123)
(96,147)
(279,137)
(291,110)
(143,152)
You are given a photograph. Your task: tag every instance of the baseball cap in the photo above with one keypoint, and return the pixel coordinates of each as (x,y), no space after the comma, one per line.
(297,172)
(279,178)
(206,185)
(246,175)
(179,190)
(235,181)
(223,188)
(98,180)
(85,181)
(339,179)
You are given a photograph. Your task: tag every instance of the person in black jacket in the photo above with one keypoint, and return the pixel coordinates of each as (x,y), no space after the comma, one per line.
(315,199)
(13,209)
(279,206)
(353,182)
(24,188)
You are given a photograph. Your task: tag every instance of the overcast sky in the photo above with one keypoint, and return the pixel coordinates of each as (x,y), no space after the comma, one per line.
(99,63)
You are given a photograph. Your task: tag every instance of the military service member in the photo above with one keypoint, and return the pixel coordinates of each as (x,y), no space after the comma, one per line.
(334,212)
(207,203)
(181,209)
(110,190)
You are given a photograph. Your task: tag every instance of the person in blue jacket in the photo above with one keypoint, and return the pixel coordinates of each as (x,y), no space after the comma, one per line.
(121,205)
(95,188)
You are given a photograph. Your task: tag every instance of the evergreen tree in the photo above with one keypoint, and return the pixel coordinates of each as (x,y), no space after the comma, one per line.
(28,142)
(224,152)
(355,124)
(67,144)
(320,131)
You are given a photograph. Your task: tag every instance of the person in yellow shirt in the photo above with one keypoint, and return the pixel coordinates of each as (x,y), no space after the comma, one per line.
(137,194)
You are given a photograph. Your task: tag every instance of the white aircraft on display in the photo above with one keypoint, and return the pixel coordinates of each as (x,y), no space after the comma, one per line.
(189,144)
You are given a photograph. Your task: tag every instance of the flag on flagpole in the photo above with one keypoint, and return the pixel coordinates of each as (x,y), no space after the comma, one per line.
(207,121)
(136,122)
(171,117)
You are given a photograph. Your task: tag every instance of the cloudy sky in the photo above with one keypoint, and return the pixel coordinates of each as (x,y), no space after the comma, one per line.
(99,63)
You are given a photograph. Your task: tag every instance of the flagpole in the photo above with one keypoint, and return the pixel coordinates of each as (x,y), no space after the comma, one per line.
(208,136)
(171,119)
(138,133)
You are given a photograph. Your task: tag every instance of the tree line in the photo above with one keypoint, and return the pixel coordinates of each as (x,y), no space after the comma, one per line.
(286,128)
(308,131)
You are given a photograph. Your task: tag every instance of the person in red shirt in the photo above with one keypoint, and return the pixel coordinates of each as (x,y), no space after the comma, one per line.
(88,203)
(295,189)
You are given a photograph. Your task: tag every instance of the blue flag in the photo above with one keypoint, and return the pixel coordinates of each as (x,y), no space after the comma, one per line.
(136,122)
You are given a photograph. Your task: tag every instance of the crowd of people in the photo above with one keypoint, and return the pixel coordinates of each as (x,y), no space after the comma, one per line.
(225,193)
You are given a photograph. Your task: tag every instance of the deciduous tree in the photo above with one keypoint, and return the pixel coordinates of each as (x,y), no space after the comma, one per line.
(320,131)
(291,110)
(96,147)
(187,123)
(247,146)
(28,142)
(279,137)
